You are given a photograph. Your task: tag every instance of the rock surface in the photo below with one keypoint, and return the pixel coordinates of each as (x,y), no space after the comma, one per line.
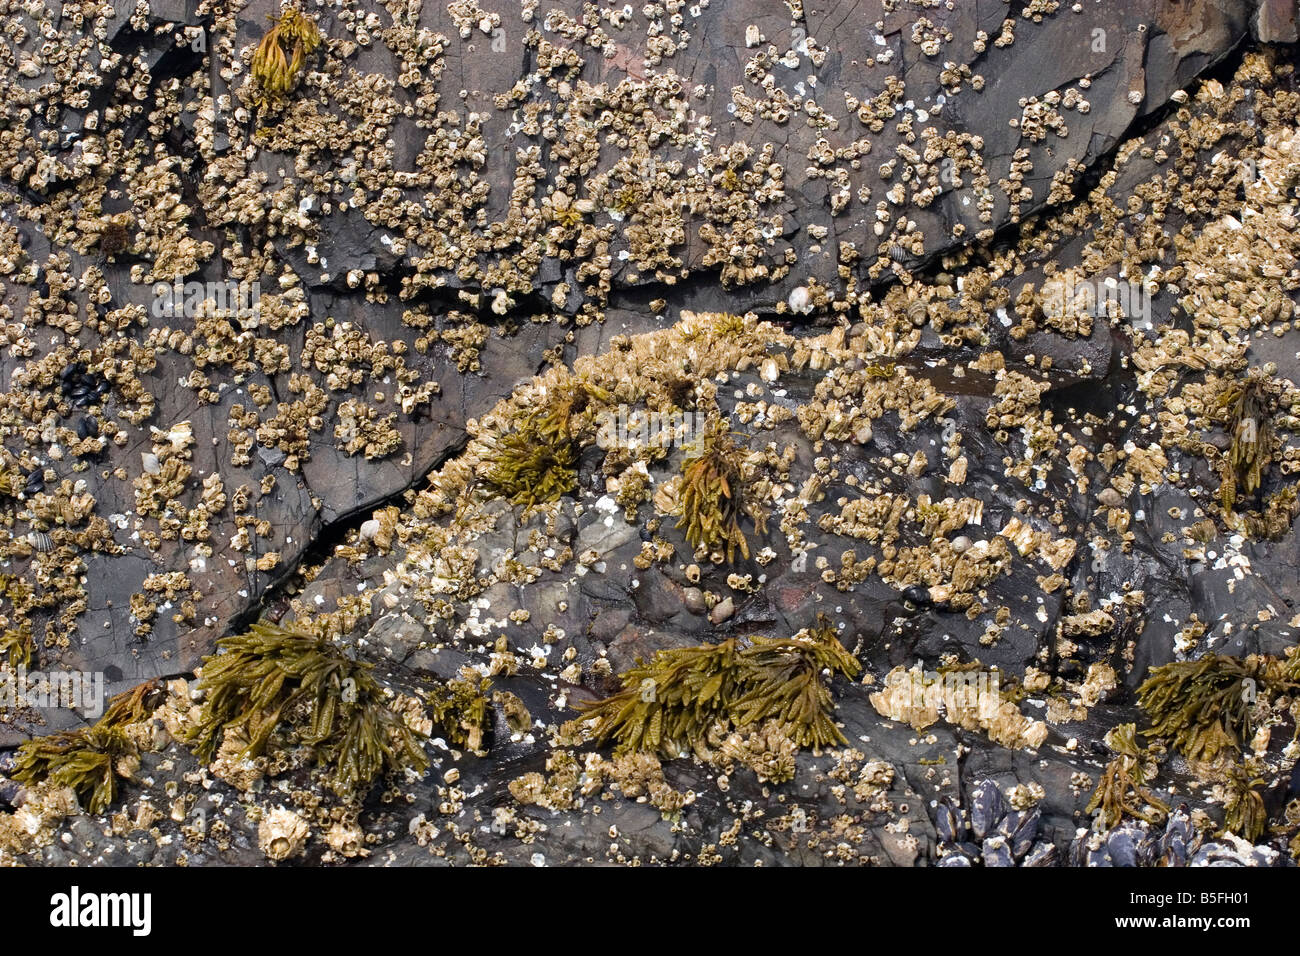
(461,200)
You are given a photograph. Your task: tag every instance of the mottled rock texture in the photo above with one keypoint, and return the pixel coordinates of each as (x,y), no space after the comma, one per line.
(457,197)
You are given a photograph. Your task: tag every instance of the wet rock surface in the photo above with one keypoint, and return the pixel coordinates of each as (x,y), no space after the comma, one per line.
(852,232)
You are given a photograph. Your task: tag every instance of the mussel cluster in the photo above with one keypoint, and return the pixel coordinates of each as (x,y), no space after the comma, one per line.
(82,387)
(34,482)
(10,791)
(1177,843)
(990,833)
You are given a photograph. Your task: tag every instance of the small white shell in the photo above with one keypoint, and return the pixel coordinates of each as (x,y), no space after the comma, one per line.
(800,300)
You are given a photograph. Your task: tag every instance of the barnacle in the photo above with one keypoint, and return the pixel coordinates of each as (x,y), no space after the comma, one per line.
(1121,791)
(538,461)
(712,498)
(1204,705)
(115,234)
(1274,520)
(672,704)
(90,760)
(281,55)
(271,676)
(1250,426)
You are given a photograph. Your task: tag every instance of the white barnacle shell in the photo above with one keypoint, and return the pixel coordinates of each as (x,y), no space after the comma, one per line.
(180,435)
(800,300)
(172,441)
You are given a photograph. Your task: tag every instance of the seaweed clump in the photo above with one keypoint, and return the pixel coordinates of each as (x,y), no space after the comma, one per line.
(1250,425)
(712,498)
(17,646)
(537,462)
(281,55)
(90,760)
(1121,791)
(460,709)
(271,676)
(1204,706)
(686,696)
(1243,811)
(17,643)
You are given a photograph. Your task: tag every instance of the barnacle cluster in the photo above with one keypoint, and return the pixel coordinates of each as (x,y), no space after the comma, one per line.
(672,704)
(90,760)
(271,677)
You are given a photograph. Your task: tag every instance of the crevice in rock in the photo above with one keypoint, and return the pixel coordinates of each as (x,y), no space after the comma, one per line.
(330,535)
